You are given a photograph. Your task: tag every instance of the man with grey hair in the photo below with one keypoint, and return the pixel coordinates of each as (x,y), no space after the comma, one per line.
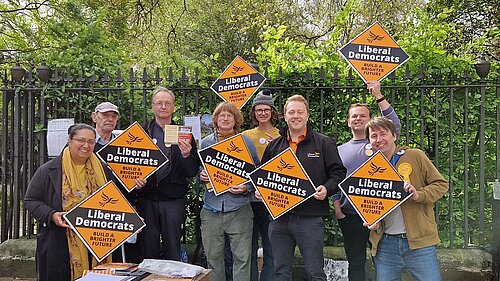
(162,200)
(105,117)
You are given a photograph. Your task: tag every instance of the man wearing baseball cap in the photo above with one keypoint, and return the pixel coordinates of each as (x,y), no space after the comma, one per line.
(105,117)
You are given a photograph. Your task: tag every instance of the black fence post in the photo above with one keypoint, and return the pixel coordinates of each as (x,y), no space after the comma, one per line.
(496,230)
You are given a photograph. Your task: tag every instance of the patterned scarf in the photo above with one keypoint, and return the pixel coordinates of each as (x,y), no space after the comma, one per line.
(74,190)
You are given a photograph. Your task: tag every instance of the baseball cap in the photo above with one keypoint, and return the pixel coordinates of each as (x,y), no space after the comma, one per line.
(106,107)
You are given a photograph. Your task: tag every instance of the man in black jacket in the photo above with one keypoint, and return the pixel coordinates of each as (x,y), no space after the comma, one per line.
(161,201)
(303,226)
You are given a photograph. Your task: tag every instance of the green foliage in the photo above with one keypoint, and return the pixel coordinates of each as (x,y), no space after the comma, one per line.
(295,42)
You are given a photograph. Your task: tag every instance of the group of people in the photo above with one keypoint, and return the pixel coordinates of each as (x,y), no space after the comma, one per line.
(233,223)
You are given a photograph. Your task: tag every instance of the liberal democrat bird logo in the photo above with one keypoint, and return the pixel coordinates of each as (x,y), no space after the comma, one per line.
(375,169)
(284,165)
(232,147)
(132,138)
(106,199)
(374,37)
(237,69)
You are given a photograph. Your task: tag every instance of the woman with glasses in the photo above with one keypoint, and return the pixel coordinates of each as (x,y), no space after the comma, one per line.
(56,187)
(263,117)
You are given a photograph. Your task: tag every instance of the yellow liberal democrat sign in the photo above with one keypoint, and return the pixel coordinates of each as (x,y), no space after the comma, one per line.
(375,189)
(227,163)
(283,183)
(132,155)
(104,220)
(374,54)
(238,82)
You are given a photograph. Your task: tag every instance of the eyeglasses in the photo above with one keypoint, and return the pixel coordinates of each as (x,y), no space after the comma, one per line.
(162,103)
(260,111)
(83,141)
(225,116)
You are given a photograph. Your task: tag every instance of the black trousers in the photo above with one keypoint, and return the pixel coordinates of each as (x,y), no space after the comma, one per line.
(355,239)
(161,237)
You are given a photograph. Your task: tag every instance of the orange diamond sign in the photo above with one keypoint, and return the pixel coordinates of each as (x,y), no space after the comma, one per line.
(132,155)
(104,220)
(374,54)
(238,82)
(227,163)
(375,189)
(283,183)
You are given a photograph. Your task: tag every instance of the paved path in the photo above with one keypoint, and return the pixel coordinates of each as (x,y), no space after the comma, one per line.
(16,279)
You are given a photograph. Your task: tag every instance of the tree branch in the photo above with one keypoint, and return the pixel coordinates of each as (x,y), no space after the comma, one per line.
(28,7)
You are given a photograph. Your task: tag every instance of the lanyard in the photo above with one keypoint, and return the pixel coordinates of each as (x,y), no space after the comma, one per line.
(394,159)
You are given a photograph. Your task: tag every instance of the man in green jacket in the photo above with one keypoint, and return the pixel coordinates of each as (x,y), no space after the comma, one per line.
(406,238)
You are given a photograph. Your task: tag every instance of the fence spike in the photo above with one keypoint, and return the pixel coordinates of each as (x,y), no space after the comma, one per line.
(422,72)
(131,75)
(57,78)
(170,75)
(184,76)
(280,73)
(29,74)
(119,77)
(93,78)
(145,78)
(158,78)
(196,74)
(349,76)
(105,76)
(336,74)
(68,77)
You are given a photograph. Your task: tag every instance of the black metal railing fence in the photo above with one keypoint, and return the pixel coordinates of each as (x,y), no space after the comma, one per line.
(454,119)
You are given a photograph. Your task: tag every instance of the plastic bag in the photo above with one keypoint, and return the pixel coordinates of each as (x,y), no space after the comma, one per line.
(170,268)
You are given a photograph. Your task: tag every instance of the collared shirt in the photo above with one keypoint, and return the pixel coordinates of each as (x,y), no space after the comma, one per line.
(294,144)
(100,140)
(158,136)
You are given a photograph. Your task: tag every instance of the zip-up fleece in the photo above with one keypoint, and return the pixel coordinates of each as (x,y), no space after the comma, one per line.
(320,158)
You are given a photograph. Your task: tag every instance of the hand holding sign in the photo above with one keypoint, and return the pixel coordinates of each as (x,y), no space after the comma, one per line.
(140,183)
(320,192)
(57,218)
(411,189)
(239,189)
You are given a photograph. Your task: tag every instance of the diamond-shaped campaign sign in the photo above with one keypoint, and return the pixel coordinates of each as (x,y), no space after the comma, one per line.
(227,163)
(238,82)
(375,189)
(104,220)
(132,155)
(374,54)
(283,183)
